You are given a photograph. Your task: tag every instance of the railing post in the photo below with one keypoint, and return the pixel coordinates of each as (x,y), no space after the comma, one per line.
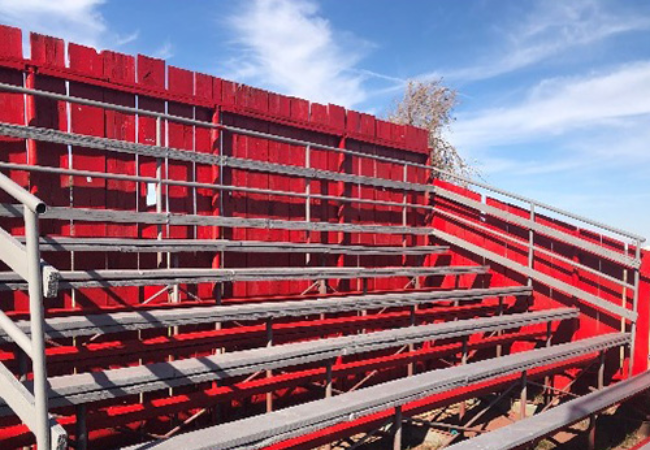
(500,332)
(523,397)
(35,282)
(159,167)
(531,243)
(269,373)
(397,429)
(81,428)
(462,408)
(635,302)
(411,346)
(308,197)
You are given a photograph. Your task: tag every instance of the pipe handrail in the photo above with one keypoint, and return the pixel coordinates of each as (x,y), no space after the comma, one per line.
(286,140)
(33,346)
(21,194)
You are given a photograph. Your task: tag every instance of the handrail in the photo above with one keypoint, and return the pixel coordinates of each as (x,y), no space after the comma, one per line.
(19,193)
(286,140)
(42,424)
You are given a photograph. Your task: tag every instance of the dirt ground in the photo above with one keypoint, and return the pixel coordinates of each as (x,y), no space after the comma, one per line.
(619,428)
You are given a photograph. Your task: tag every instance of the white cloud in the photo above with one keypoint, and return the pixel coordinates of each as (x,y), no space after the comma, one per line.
(548,30)
(79,21)
(288,46)
(165,51)
(557,106)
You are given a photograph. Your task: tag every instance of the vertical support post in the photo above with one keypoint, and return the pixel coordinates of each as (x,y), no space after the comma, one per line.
(600,383)
(622,349)
(328,378)
(591,433)
(404,211)
(531,243)
(547,378)
(635,304)
(397,429)
(463,360)
(159,166)
(411,346)
(328,388)
(36,313)
(21,357)
(601,370)
(363,312)
(308,199)
(269,373)
(500,332)
(217,410)
(81,428)
(322,284)
(523,398)
(216,202)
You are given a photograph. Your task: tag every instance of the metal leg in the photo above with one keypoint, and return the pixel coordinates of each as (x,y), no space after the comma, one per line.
(81,429)
(500,332)
(37,329)
(463,406)
(600,384)
(411,346)
(328,379)
(523,399)
(397,429)
(547,379)
(269,373)
(328,389)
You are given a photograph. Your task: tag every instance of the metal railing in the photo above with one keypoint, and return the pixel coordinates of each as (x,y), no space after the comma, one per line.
(25,260)
(163,154)
(33,272)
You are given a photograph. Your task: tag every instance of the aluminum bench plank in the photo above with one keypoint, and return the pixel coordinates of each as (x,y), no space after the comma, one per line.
(94,386)
(263,430)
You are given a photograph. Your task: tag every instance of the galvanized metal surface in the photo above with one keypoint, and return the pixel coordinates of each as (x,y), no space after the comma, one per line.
(534,248)
(61,137)
(162,154)
(92,324)
(303,143)
(26,262)
(530,224)
(22,403)
(81,244)
(116,216)
(541,425)
(542,278)
(260,431)
(89,387)
(163,277)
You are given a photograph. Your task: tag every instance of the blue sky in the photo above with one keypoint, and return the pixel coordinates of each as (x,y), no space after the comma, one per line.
(555,95)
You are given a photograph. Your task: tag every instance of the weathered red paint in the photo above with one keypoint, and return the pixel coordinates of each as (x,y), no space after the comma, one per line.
(116,78)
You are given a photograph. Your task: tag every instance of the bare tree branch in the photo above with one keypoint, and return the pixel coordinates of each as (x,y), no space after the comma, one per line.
(430,105)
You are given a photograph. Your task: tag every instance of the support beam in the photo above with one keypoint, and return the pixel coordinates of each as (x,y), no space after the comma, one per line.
(397,428)
(547,423)
(262,431)
(85,387)
(567,288)
(23,404)
(92,324)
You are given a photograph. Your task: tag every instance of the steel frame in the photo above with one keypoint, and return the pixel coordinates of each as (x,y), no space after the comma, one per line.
(169,276)
(93,324)
(253,433)
(44,280)
(26,262)
(566,414)
(307,144)
(87,387)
